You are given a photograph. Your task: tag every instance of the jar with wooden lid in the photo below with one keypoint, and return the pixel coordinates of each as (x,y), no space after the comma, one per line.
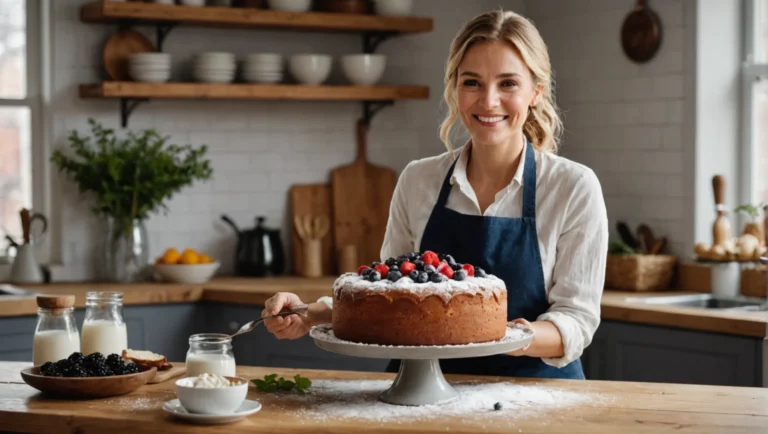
(56,335)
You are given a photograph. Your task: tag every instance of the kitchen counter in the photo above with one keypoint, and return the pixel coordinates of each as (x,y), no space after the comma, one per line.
(529,405)
(255,291)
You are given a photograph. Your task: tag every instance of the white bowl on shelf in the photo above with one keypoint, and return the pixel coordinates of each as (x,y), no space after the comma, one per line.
(193,2)
(264,58)
(290,5)
(310,69)
(393,7)
(363,69)
(183,273)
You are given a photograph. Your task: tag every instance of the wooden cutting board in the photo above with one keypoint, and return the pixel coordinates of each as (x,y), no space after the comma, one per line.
(314,199)
(174,372)
(361,193)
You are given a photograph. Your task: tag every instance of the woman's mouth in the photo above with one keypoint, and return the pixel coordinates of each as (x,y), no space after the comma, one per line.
(490,121)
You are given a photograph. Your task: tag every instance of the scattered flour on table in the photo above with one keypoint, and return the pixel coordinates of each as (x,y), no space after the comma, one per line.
(341,399)
(131,403)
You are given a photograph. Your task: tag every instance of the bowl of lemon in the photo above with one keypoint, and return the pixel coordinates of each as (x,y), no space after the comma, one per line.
(187,266)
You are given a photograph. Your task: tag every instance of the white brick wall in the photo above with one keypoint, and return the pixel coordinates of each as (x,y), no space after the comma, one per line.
(258,149)
(623,120)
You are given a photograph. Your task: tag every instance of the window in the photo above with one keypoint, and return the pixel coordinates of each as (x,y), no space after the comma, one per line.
(755,111)
(20,102)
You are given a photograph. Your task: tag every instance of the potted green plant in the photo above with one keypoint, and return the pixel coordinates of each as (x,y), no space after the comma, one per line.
(755,226)
(128,180)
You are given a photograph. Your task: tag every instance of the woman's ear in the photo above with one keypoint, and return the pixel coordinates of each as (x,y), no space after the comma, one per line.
(537,91)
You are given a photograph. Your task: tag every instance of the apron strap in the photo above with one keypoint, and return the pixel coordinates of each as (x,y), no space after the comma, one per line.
(529,182)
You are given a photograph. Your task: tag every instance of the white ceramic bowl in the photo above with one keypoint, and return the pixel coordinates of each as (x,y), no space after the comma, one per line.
(310,68)
(150,76)
(211,401)
(265,58)
(181,273)
(193,2)
(393,7)
(150,59)
(363,69)
(290,5)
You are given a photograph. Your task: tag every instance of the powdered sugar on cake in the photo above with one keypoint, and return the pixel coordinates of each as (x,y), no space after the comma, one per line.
(488,286)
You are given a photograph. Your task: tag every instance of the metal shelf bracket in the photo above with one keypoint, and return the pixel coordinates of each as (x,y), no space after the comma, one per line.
(127,106)
(371,40)
(370,108)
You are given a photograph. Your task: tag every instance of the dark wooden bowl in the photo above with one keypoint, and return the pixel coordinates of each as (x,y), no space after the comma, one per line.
(87,387)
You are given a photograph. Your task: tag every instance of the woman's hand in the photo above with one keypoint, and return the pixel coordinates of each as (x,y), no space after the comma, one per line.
(292,326)
(521,351)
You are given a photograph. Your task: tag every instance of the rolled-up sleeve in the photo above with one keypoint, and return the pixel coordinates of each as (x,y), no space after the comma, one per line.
(579,272)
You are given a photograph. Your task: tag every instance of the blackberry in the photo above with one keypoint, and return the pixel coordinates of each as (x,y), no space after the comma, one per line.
(129,368)
(95,358)
(116,364)
(74,371)
(113,359)
(76,358)
(64,365)
(100,371)
(50,369)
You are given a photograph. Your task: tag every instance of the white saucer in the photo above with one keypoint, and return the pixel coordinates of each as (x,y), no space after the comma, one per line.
(248,408)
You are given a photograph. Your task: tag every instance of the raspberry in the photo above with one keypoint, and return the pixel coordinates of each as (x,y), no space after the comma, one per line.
(430,258)
(360,270)
(445,270)
(406,267)
(469,269)
(382,269)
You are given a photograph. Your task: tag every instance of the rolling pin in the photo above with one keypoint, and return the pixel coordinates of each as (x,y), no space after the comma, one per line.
(721,228)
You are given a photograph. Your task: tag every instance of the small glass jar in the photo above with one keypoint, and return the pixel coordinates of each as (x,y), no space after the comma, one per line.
(104,330)
(56,335)
(210,353)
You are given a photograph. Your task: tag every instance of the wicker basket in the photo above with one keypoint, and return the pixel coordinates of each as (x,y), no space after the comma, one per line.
(639,272)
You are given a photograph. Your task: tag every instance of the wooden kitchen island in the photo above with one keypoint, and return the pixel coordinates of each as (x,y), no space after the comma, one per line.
(345,402)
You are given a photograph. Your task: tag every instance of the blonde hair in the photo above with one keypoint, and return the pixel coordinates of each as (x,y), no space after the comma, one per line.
(543,126)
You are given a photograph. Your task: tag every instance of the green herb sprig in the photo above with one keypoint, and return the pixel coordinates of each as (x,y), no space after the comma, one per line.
(271,383)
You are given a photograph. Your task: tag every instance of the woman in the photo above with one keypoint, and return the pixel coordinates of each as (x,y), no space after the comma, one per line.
(504,201)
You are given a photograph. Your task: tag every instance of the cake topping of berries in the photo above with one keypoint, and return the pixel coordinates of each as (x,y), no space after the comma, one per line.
(420,268)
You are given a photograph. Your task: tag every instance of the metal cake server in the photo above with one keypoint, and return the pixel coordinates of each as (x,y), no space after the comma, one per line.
(296,310)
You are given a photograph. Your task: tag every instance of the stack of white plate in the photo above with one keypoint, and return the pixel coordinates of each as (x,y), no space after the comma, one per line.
(150,67)
(263,68)
(215,67)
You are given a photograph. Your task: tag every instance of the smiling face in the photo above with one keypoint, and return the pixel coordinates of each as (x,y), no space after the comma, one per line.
(494,90)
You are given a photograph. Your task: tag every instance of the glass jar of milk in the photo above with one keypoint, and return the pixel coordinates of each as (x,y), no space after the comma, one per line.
(211,353)
(56,335)
(104,329)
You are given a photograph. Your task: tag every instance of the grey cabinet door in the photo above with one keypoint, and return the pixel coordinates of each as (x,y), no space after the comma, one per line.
(634,352)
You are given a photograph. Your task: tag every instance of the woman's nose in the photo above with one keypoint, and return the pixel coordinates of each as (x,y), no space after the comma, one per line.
(490,98)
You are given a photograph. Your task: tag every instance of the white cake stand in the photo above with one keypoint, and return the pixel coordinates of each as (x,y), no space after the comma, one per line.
(420,380)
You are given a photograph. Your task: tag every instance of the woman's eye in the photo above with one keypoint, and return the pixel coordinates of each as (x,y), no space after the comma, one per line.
(470,83)
(509,83)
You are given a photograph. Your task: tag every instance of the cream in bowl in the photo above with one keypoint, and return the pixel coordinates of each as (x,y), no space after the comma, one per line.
(211,393)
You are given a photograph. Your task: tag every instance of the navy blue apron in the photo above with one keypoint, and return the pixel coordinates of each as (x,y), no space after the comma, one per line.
(509,249)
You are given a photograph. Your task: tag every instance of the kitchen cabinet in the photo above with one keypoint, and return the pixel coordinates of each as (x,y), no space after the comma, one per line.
(636,352)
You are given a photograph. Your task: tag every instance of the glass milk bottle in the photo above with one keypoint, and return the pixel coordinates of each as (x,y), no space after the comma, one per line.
(56,335)
(210,353)
(104,329)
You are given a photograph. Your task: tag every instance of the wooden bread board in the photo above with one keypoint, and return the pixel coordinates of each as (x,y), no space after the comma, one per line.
(174,372)
(361,194)
(314,199)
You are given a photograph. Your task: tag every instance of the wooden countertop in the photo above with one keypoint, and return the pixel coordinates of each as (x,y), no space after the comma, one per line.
(256,291)
(529,405)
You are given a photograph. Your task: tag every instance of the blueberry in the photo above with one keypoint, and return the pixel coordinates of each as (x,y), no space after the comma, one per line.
(414,275)
(456,267)
(402,258)
(449,259)
(479,272)
(497,406)
(366,272)
(419,264)
(394,275)
(423,278)
(390,262)
(459,275)
(441,256)
(413,256)
(374,276)
(429,268)
(437,278)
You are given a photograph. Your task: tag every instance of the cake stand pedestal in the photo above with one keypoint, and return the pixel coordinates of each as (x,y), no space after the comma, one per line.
(420,381)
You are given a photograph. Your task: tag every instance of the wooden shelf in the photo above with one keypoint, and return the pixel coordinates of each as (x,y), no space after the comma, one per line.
(103,11)
(129,89)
